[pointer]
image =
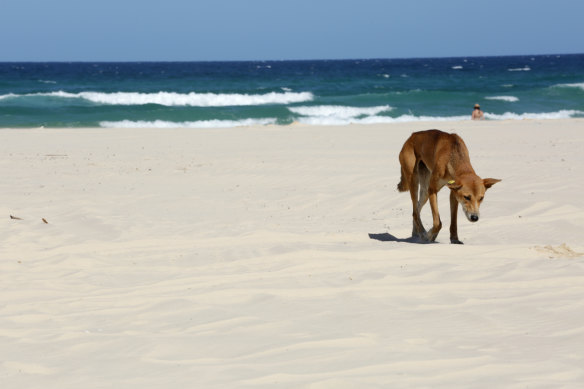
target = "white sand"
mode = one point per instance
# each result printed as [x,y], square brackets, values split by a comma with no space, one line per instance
[232,258]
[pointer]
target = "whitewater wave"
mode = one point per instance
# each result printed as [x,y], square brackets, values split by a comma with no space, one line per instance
[336,120]
[344,115]
[8,96]
[577,85]
[196,124]
[563,114]
[192,99]
[376,119]
[457,67]
[510,99]
[339,111]
[333,121]
[333,115]
[523,69]
[338,114]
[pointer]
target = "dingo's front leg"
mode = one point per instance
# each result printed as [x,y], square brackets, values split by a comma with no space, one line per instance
[453,219]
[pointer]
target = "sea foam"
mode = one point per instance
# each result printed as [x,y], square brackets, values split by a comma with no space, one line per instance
[339,115]
[577,85]
[378,120]
[510,99]
[562,114]
[314,120]
[335,120]
[185,99]
[523,69]
[196,124]
[8,96]
[339,111]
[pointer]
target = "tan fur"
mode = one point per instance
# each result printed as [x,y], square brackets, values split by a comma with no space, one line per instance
[430,160]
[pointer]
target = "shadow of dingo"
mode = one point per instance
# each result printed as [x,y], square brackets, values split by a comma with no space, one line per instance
[386,237]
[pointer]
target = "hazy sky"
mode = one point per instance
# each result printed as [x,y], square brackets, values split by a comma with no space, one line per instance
[201,30]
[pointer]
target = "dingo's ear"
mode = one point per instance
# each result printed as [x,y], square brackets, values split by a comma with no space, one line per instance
[488,182]
[453,185]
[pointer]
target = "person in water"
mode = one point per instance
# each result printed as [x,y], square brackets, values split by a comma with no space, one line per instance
[477,114]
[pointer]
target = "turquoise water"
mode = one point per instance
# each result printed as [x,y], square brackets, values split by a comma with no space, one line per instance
[225,94]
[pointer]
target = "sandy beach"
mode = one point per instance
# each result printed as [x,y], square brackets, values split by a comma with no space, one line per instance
[277,257]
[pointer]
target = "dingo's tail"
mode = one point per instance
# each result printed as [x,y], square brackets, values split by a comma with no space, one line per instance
[403,186]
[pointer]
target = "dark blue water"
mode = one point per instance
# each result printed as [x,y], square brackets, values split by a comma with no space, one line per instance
[223,94]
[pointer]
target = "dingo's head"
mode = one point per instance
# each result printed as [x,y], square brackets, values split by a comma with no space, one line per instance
[469,191]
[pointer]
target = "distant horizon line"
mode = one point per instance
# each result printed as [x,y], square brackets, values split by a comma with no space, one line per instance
[290,60]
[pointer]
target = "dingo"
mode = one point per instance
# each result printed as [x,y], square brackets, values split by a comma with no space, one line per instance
[431,159]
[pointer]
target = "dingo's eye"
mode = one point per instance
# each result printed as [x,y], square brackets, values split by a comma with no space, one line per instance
[481,199]
[467,198]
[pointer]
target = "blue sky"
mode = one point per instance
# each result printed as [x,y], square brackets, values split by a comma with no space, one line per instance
[196,30]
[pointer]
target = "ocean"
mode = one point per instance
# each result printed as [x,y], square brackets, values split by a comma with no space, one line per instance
[320,92]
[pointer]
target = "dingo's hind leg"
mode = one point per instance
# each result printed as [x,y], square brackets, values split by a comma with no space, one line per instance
[410,181]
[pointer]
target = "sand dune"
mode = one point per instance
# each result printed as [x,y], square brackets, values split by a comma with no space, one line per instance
[279,257]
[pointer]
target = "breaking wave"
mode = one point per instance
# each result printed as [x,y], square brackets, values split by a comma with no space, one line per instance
[344,115]
[375,119]
[196,124]
[378,119]
[338,114]
[563,114]
[577,85]
[192,99]
[8,96]
[510,99]
[335,120]
[523,69]
[339,111]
